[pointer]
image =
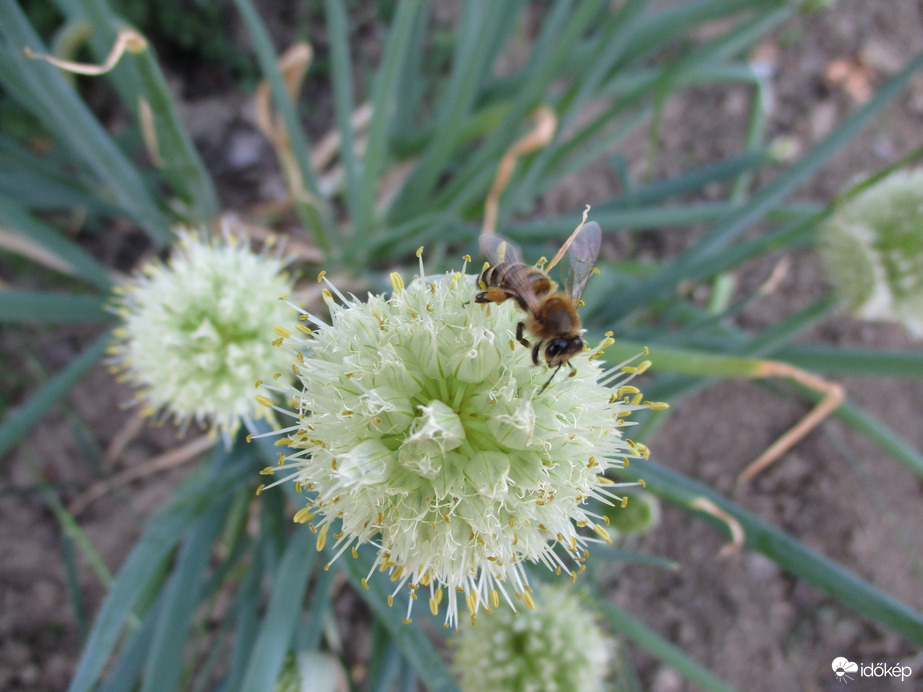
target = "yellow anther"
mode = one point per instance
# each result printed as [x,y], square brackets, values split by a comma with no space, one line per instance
[259,490]
[304,330]
[303,516]
[320,277]
[322,536]
[627,389]
[264,401]
[258,384]
[419,251]
[268,471]
[467,258]
[282,331]
[397,282]
[657,405]
[644,366]
[527,597]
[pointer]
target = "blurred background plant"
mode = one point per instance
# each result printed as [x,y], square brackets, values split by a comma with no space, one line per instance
[389,129]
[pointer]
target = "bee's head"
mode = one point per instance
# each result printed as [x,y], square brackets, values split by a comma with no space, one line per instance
[560,351]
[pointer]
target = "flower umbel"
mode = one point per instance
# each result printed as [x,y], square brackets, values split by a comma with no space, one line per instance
[194,332]
[557,647]
[420,426]
[872,249]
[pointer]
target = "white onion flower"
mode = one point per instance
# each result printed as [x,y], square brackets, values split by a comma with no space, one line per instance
[872,250]
[557,647]
[193,337]
[420,428]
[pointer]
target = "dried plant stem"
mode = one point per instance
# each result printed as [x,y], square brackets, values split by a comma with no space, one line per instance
[546,122]
[164,462]
[329,145]
[124,436]
[127,40]
[834,395]
[703,504]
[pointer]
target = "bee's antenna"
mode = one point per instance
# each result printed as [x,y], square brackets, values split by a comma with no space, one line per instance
[550,378]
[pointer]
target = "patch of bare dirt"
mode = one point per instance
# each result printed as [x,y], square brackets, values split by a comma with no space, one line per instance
[755,626]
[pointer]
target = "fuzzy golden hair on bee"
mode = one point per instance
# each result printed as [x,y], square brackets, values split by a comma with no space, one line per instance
[552,319]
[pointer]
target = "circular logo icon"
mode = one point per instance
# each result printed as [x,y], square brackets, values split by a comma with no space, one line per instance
[842,666]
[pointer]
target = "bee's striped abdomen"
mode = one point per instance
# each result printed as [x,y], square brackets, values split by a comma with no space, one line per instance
[512,279]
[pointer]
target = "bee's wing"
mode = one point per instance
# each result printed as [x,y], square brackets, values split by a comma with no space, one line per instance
[498,249]
[581,253]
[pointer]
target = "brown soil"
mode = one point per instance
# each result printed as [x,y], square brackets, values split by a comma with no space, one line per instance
[753,625]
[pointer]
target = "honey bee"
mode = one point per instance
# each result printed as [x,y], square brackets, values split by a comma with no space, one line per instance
[552,318]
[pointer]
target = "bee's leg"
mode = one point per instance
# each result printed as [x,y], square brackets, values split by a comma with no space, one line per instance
[520,338]
[535,352]
[551,378]
[491,295]
[573,369]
